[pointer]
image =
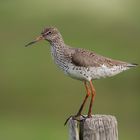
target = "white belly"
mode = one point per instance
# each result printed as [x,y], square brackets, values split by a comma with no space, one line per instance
[91,73]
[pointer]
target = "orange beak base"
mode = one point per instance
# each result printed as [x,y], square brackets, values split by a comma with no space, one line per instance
[36,40]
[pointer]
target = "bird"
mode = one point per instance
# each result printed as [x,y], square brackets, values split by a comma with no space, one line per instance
[81,64]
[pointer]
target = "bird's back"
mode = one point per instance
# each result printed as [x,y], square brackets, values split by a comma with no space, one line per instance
[88,65]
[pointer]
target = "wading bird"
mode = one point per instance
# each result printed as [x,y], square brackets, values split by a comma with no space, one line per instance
[80,63]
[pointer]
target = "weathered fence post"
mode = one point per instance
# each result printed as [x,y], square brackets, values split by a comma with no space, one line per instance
[99,127]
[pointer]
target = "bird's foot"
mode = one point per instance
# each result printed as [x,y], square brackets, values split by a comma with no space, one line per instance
[77,117]
[89,116]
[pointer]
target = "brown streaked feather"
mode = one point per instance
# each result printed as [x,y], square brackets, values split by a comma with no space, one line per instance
[86,58]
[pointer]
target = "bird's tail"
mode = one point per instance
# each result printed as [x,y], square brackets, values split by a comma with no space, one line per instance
[132,65]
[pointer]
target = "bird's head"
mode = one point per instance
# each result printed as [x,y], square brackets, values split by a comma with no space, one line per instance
[50,34]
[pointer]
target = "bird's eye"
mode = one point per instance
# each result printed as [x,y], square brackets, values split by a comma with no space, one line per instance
[48,33]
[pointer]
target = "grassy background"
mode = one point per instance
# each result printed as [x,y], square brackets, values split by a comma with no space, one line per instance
[35,97]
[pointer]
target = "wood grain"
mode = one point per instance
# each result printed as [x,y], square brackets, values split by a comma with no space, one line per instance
[99,127]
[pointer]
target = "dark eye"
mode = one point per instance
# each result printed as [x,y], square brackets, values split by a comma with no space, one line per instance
[48,33]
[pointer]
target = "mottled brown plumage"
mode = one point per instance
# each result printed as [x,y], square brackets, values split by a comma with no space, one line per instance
[86,58]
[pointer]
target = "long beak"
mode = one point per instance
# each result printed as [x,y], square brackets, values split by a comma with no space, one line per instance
[36,40]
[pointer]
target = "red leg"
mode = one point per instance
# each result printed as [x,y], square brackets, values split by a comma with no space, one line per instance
[93,93]
[85,99]
[83,104]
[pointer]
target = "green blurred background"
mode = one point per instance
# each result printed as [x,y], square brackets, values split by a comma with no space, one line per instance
[36,97]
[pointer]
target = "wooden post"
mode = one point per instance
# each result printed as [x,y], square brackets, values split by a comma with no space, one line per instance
[99,127]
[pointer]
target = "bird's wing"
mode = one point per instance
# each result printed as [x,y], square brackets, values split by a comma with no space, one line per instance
[85,58]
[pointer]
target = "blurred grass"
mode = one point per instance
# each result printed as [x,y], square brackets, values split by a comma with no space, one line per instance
[35,97]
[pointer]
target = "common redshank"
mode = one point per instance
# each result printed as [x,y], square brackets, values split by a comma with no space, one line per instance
[80,63]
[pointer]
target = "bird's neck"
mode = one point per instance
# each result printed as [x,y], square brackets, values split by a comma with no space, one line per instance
[57,44]
[58,53]
[57,40]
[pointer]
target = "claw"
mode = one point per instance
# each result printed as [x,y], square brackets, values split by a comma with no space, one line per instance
[67,120]
[89,116]
[76,117]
